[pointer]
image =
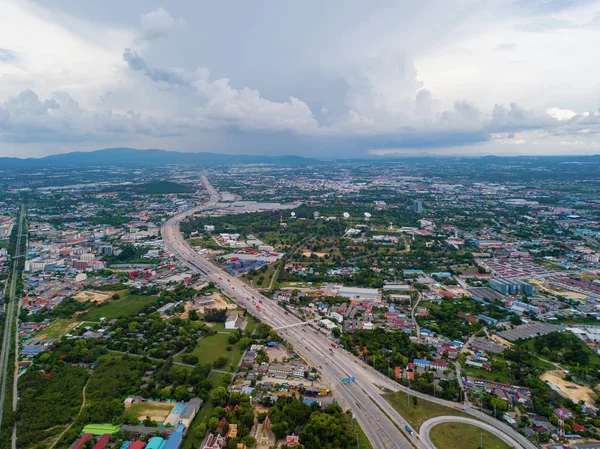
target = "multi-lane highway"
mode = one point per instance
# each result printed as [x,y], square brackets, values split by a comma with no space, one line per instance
[379,420]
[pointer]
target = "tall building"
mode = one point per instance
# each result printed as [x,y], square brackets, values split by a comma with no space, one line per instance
[417,206]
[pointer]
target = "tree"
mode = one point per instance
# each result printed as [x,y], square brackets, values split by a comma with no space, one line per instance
[213,423]
[233,338]
[201,430]
[245,342]
[499,404]
[516,320]
[220,397]
[193,315]
[336,332]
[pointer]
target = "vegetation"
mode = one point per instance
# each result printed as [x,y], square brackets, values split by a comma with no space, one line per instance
[49,398]
[419,411]
[464,436]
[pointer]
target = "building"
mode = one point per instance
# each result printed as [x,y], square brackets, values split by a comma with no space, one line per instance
[292,440]
[358,293]
[511,287]
[417,206]
[188,414]
[102,441]
[156,443]
[283,370]
[234,321]
[215,442]
[80,442]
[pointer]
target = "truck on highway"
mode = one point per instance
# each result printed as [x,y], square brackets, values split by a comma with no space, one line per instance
[409,430]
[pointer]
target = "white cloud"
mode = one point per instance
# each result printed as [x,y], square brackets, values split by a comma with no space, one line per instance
[390,75]
[157,24]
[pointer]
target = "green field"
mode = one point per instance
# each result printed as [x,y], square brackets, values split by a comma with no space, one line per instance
[212,347]
[418,414]
[362,438]
[460,436]
[56,329]
[116,308]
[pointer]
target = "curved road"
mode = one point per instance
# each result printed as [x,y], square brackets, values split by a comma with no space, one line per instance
[431,423]
[383,425]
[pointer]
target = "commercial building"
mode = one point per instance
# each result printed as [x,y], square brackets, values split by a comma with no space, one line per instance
[512,287]
[358,293]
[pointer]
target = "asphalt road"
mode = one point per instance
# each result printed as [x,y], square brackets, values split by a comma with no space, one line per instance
[379,420]
[430,423]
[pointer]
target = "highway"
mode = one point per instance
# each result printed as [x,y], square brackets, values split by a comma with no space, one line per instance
[379,420]
[10,320]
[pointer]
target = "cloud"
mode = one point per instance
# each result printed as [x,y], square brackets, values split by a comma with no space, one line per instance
[219,104]
[6,55]
[27,118]
[158,24]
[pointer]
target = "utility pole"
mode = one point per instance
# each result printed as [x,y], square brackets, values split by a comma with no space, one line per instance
[481,441]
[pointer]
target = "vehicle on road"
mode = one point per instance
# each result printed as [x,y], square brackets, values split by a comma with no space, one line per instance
[409,430]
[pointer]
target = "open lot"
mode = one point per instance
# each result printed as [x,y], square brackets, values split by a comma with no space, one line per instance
[57,329]
[422,411]
[115,308]
[459,436]
[211,348]
[157,411]
[573,391]
[93,296]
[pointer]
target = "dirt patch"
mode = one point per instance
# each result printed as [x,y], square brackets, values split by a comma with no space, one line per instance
[571,390]
[310,253]
[278,352]
[93,296]
[157,411]
[555,290]
[219,303]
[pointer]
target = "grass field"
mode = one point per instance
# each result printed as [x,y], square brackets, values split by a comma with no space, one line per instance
[158,411]
[418,414]
[460,436]
[211,348]
[117,308]
[57,329]
[362,438]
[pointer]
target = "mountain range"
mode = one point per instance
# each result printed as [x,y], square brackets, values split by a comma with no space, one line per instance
[132,156]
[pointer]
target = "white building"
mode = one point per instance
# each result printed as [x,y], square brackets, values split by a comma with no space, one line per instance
[328,324]
[336,316]
[234,321]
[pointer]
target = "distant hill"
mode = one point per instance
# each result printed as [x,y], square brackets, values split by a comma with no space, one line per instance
[131,156]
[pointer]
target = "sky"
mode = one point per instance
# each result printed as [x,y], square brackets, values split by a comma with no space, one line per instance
[311,78]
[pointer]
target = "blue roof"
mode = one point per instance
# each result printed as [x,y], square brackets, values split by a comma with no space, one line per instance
[309,401]
[272,343]
[174,441]
[422,362]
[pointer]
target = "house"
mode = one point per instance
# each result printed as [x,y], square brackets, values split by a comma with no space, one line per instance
[292,440]
[579,428]
[234,321]
[102,441]
[563,413]
[215,442]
